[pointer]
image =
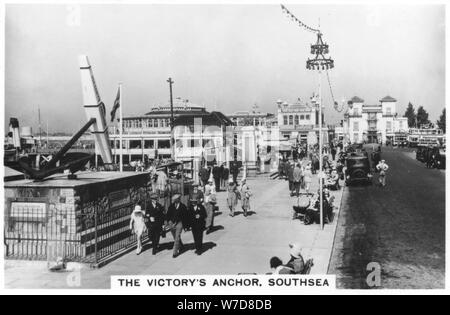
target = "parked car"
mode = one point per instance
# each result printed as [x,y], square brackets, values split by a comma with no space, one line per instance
[358,169]
[421,154]
[437,157]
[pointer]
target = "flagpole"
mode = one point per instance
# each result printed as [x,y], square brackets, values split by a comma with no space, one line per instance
[121,127]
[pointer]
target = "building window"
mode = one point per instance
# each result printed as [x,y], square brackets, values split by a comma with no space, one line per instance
[355,137]
[296,120]
[388,125]
[356,126]
[302,117]
[156,125]
[388,111]
[150,123]
[135,144]
[291,120]
[285,118]
[149,144]
[308,117]
[164,144]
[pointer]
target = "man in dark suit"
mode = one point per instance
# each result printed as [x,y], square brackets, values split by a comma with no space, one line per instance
[154,217]
[177,218]
[217,175]
[197,215]
[204,175]
[234,169]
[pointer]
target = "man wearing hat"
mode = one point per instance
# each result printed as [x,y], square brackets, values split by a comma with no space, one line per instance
[296,261]
[234,170]
[197,194]
[210,193]
[155,219]
[197,217]
[177,219]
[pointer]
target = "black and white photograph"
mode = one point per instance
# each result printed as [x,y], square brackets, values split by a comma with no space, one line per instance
[223,146]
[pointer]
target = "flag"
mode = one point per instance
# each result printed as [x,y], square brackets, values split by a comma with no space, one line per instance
[115,106]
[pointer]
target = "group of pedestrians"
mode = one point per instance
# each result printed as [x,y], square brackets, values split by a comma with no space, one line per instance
[242,193]
[198,216]
[179,217]
[299,176]
[219,174]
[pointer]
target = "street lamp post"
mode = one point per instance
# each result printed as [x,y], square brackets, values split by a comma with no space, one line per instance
[320,63]
[172,120]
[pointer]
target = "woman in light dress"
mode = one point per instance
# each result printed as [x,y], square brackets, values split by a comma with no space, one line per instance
[137,226]
[307,177]
[245,195]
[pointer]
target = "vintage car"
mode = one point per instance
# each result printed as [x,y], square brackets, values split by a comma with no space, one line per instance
[436,157]
[421,153]
[440,160]
[358,169]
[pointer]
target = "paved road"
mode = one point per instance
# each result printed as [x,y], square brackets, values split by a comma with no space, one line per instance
[401,226]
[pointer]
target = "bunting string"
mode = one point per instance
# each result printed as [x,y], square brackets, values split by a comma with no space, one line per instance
[296,20]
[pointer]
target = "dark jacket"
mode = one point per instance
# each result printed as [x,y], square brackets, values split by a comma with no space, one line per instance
[217,172]
[204,174]
[175,215]
[290,173]
[234,168]
[157,213]
[226,174]
[197,223]
[297,264]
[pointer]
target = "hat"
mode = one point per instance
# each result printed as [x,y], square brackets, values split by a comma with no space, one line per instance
[295,251]
[176,197]
[194,200]
[137,208]
[154,196]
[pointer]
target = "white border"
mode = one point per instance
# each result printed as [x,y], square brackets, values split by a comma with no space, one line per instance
[321,2]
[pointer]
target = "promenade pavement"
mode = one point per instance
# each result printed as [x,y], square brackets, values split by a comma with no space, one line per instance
[238,245]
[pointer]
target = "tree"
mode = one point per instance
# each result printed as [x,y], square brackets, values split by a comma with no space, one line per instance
[422,116]
[411,115]
[441,121]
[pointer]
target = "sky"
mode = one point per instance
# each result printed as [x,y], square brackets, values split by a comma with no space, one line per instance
[226,57]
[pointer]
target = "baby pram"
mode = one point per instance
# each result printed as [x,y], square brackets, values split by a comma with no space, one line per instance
[303,203]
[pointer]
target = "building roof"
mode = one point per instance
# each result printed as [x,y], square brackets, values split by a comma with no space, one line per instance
[180,106]
[246,114]
[210,119]
[388,99]
[356,99]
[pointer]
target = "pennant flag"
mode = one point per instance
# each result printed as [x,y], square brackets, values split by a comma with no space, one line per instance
[115,106]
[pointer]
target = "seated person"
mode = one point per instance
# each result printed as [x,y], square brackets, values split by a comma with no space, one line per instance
[301,204]
[279,268]
[333,180]
[296,262]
